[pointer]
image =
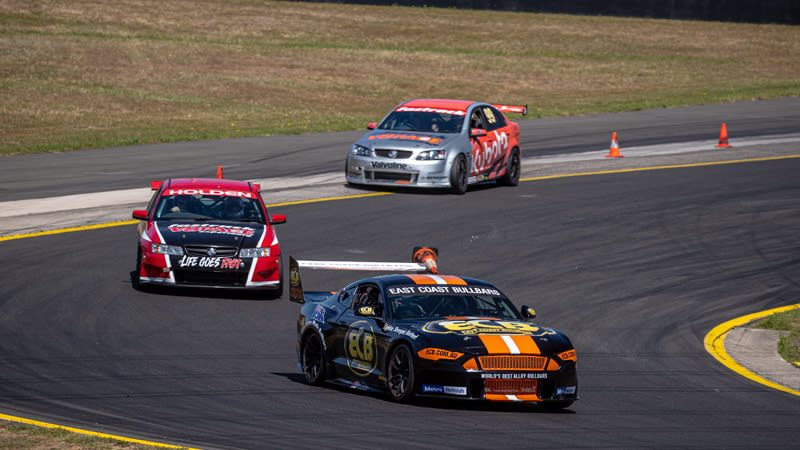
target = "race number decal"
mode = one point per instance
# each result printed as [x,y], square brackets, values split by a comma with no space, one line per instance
[360,348]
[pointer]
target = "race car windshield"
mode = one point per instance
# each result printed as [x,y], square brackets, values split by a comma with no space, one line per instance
[440,306]
[431,122]
[208,207]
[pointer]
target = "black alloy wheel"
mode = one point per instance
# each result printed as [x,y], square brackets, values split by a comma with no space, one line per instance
[313,359]
[400,374]
[511,177]
[458,175]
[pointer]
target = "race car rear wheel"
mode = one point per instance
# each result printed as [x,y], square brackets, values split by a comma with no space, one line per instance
[458,175]
[312,359]
[511,177]
[400,379]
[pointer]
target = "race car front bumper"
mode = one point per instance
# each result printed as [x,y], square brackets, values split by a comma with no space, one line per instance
[227,273]
[451,381]
[401,172]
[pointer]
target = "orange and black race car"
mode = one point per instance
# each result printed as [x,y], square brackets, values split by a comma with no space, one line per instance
[425,334]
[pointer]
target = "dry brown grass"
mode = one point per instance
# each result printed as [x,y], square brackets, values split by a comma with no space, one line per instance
[15,436]
[97,73]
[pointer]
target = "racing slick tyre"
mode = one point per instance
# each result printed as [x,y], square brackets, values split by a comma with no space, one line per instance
[312,359]
[511,177]
[138,269]
[458,175]
[400,379]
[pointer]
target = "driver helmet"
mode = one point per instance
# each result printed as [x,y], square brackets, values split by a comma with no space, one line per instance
[234,207]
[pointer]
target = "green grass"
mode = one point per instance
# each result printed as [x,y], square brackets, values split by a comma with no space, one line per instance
[95,74]
[788,322]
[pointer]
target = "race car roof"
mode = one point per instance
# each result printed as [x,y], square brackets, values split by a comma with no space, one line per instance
[209,183]
[425,279]
[438,103]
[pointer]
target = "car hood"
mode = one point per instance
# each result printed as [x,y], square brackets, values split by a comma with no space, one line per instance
[216,233]
[405,140]
[475,335]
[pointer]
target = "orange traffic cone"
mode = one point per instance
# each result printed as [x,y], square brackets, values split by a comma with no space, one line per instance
[723,137]
[614,151]
[219,172]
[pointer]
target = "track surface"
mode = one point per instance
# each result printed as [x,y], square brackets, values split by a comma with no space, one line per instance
[635,267]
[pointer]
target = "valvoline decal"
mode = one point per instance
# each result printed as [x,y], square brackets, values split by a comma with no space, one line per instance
[485,326]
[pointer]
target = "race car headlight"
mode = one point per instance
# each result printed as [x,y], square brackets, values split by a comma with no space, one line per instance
[359,150]
[254,252]
[431,154]
[165,249]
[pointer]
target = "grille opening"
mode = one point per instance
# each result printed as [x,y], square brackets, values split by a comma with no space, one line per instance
[512,362]
[401,154]
[392,176]
[510,387]
[202,250]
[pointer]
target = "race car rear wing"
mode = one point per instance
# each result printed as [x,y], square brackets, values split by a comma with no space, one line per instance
[512,108]
[424,260]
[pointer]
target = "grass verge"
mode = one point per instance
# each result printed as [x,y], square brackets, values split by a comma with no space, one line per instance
[18,436]
[788,322]
[96,74]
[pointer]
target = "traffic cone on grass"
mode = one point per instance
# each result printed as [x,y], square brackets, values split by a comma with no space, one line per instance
[723,137]
[614,150]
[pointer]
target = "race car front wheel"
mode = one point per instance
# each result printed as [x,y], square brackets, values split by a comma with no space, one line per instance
[313,359]
[400,374]
[458,175]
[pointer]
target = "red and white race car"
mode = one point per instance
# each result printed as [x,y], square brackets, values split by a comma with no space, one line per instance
[438,143]
[216,233]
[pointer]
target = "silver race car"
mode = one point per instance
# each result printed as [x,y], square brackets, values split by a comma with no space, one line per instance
[439,144]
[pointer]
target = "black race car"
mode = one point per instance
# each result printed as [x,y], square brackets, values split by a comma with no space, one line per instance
[424,334]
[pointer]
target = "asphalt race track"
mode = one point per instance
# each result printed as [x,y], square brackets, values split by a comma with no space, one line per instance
[636,267]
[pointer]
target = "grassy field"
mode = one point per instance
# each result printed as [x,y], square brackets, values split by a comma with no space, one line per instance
[99,73]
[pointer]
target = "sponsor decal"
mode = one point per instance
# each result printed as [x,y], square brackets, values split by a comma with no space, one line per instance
[360,348]
[388,165]
[319,314]
[406,137]
[396,291]
[400,331]
[451,390]
[568,355]
[208,262]
[439,353]
[487,152]
[435,177]
[454,112]
[232,230]
[485,326]
[514,376]
[569,390]
[209,192]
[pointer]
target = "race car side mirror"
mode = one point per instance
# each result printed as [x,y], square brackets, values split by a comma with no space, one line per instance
[276,219]
[477,132]
[140,214]
[372,125]
[527,312]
